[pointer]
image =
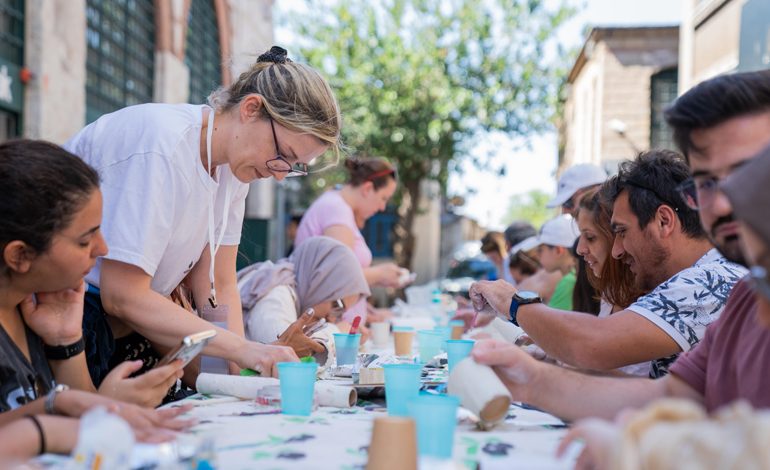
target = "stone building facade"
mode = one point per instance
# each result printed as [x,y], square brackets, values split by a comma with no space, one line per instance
[722,36]
[617,88]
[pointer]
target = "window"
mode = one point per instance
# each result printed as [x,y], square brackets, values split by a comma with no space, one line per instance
[378,233]
[12,30]
[202,52]
[11,60]
[663,87]
[120,66]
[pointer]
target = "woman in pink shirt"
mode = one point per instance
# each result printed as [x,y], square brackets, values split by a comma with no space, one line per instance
[341,213]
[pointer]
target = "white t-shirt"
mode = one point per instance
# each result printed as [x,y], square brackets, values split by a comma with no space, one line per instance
[689,301]
[156,190]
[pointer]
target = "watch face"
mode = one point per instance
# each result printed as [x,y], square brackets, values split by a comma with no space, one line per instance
[527,295]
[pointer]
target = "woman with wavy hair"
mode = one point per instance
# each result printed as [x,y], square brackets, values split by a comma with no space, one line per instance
[609,276]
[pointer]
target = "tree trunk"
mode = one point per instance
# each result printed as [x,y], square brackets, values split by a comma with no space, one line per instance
[403,242]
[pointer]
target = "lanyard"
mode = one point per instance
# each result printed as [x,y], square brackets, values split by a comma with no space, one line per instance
[214,247]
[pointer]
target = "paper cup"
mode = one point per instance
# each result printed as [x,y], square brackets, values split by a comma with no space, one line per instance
[458,328]
[393,444]
[380,334]
[403,338]
[480,391]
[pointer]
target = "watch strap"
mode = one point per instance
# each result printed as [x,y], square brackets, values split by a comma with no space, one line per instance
[60,353]
[513,310]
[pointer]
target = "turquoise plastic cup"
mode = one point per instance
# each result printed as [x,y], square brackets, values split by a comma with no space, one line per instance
[297,387]
[429,342]
[446,331]
[347,347]
[457,350]
[436,419]
[402,383]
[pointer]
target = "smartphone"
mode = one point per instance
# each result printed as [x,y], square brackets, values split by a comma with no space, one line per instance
[190,347]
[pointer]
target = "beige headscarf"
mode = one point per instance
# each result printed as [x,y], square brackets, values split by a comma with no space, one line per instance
[321,269]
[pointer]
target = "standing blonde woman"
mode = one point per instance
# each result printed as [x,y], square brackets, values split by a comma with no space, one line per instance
[174,179]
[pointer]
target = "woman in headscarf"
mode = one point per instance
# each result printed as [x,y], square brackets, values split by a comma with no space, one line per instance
[322,274]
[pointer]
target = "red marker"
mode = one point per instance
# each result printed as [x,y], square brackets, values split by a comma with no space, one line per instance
[354,326]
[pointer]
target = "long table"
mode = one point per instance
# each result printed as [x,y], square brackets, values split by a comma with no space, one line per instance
[245,435]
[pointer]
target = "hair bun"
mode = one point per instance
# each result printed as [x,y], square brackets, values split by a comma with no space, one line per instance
[276,55]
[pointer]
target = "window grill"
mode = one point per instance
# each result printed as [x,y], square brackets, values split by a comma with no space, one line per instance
[663,92]
[12,30]
[203,55]
[120,65]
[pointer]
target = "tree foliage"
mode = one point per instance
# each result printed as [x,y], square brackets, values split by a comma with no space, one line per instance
[529,206]
[421,81]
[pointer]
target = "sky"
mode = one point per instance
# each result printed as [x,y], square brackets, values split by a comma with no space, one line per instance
[534,168]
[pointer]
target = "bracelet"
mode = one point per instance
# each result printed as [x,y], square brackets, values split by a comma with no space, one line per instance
[60,353]
[48,405]
[40,432]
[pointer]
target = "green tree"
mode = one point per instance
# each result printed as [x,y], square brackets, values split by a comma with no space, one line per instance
[529,206]
[421,81]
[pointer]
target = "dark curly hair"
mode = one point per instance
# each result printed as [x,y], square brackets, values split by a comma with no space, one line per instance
[651,180]
[44,187]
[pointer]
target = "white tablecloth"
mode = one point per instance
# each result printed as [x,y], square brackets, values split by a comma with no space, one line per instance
[248,436]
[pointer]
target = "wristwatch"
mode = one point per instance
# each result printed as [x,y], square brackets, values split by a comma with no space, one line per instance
[522,297]
[59,353]
[49,399]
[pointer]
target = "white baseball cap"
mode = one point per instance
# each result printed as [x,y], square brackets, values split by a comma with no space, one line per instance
[575,178]
[559,231]
[525,245]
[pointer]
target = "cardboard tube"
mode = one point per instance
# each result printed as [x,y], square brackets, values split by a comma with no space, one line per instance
[233,385]
[338,396]
[480,391]
[328,394]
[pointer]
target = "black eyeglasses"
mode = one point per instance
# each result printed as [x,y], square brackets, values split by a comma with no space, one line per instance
[280,164]
[698,193]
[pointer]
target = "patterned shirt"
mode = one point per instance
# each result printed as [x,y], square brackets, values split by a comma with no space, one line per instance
[688,302]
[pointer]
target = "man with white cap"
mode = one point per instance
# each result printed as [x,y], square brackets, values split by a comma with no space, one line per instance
[664,245]
[555,239]
[574,182]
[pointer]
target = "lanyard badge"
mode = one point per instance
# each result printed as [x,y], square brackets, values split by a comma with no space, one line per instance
[214,247]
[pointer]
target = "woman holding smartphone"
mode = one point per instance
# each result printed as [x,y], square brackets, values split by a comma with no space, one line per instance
[49,239]
[311,288]
[174,179]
